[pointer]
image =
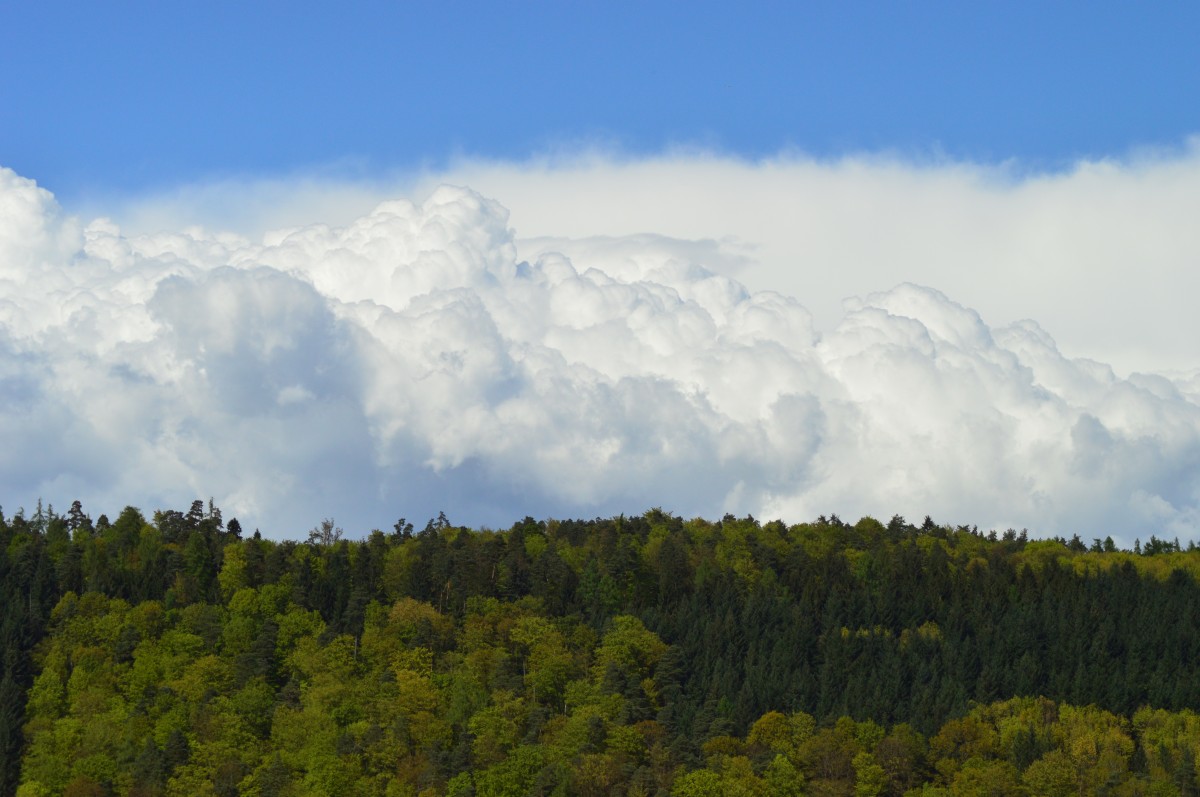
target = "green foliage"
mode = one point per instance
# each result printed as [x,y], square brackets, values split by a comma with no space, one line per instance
[634,655]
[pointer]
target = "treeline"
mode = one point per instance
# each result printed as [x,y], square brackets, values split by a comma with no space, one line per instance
[628,655]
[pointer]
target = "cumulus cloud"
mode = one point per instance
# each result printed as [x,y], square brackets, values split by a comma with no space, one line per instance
[423,357]
[1103,253]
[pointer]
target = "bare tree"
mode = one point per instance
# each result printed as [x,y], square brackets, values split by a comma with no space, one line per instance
[326,533]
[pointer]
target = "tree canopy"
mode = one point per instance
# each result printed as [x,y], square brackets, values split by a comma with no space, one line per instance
[630,655]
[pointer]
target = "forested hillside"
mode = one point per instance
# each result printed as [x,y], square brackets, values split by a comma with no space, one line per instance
[629,655]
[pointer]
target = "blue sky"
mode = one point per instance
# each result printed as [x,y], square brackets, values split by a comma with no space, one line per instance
[111,97]
[575,259]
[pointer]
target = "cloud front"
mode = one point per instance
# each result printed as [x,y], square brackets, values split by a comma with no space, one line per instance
[412,361]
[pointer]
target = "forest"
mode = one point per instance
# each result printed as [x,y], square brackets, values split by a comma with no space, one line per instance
[632,655]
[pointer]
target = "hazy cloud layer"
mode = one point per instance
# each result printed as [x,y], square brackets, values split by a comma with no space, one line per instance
[421,357]
[1105,254]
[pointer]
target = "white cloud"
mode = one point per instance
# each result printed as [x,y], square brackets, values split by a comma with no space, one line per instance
[422,357]
[1104,253]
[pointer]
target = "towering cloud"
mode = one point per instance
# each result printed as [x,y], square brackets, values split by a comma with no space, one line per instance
[410,361]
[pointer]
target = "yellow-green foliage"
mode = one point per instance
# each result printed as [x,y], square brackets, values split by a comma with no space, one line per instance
[365,715]
[433,664]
